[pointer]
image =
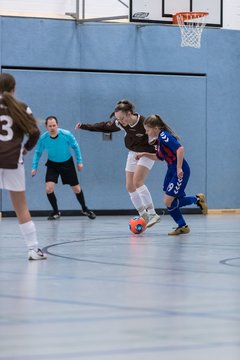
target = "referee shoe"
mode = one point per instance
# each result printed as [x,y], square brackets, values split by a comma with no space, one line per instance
[54,216]
[90,214]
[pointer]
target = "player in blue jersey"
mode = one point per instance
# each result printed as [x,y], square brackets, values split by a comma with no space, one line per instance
[178,172]
[58,142]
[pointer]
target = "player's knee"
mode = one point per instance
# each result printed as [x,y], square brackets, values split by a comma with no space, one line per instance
[76,189]
[168,202]
[130,188]
[49,189]
[172,204]
[138,183]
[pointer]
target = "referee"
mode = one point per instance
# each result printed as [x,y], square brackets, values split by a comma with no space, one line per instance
[57,142]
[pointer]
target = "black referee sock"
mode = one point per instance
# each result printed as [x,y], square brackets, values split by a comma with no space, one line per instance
[81,200]
[53,201]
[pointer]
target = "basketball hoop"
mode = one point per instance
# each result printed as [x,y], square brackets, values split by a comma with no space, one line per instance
[191,26]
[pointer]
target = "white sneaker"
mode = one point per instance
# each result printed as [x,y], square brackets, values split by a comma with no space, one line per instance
[145,216]
[153,219]
[36,255]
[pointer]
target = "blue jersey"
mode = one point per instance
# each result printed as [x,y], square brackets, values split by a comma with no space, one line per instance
[167,147]
[58,148]
[167,150]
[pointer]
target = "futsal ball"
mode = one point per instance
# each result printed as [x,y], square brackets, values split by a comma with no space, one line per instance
[137,225]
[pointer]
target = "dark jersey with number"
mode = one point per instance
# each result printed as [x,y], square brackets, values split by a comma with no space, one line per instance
[11,138]
[167,146]
[135,139]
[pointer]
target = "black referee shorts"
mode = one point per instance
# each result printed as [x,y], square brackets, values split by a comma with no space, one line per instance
[66,170]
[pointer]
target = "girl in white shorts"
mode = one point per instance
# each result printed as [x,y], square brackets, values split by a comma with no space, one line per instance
[13,179]
[136,140]
[16,121]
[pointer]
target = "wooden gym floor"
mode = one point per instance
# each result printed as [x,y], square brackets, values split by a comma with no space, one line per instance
[106,294]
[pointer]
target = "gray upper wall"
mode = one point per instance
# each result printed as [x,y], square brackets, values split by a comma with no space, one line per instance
[79,72]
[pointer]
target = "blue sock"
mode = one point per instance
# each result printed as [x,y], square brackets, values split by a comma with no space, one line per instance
[187,200]
[175,213]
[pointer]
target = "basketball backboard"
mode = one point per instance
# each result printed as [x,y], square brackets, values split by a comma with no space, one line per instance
[161,11]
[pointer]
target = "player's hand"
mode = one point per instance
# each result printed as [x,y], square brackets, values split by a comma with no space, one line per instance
[79,167]
[78,126]
[34,172]
[24,151]
[138,156]
[180,173]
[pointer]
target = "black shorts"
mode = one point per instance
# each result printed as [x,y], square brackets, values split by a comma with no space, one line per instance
[64,169]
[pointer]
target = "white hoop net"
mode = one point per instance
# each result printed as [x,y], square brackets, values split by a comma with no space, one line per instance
[191,26]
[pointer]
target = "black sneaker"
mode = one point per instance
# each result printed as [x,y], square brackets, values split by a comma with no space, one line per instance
[89,214]
[54,216]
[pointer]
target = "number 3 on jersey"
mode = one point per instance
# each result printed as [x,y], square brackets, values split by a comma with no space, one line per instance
[6,132]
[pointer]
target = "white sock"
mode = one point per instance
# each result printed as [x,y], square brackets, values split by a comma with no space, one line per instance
[29,233]
[146,199]
[137,202]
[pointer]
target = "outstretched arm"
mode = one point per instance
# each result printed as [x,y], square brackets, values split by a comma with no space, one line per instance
[108,126]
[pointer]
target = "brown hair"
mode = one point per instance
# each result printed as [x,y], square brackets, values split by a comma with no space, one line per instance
[7,83]
[24,121]
[51,117]
[124,106]
[156,121]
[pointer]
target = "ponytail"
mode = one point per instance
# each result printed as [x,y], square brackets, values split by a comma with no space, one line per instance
[24,121]
[156,121]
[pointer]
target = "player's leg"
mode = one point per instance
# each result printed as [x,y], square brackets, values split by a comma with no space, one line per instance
[199,200]
[174,211]
[51,180]
[81,199]
[131,180]
[27,226]
[130,167]
[69,177]
[143,167]
[134,195]
[174,197]
[50,186]
[13,180]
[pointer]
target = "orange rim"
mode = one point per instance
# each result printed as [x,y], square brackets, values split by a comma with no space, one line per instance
[188,15]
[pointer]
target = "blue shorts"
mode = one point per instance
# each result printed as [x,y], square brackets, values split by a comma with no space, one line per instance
[173,186]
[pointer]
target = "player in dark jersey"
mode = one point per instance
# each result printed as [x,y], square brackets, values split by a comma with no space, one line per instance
[16,121]
[124,118]
[58,143]
[178,172]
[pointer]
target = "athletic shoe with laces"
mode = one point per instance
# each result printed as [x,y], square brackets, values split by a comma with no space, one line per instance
[201,202]
[54,216]
[180,230]
[36,255]
[90,214]
[145,216]
[152,219]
